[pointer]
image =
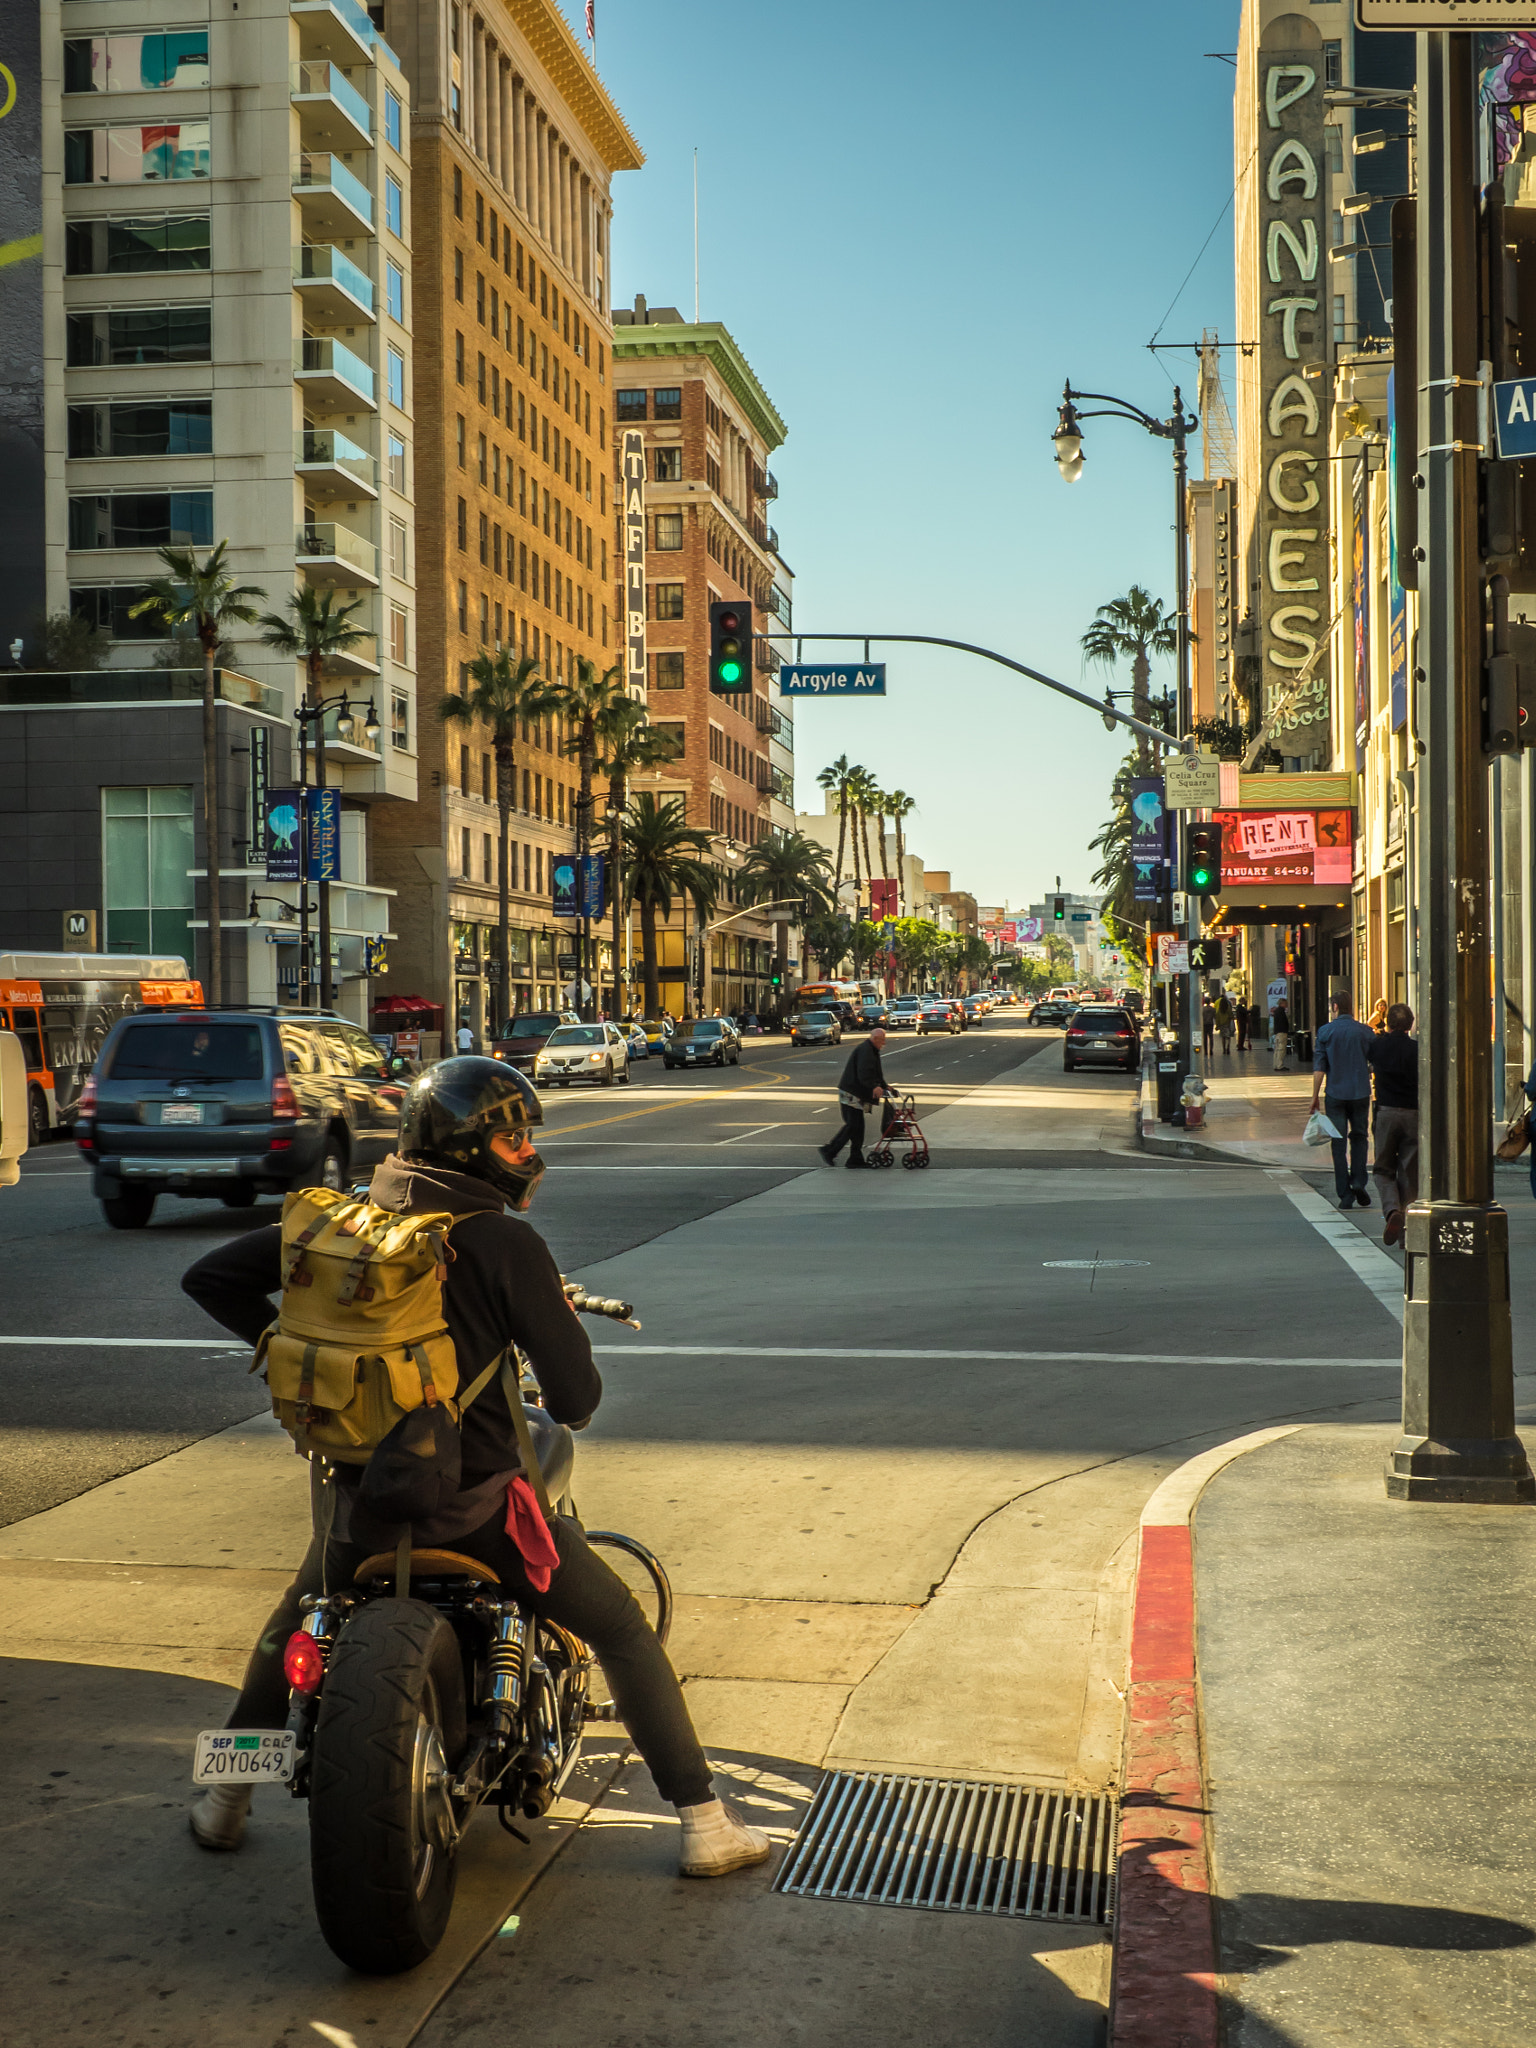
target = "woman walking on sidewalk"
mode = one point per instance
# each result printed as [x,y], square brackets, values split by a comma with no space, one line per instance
[1280,1031]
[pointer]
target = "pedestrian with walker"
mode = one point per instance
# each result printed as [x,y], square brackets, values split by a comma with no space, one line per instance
[1341,1055]
[862,1085]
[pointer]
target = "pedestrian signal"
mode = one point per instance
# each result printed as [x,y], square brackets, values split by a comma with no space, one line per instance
[1202,859]
[730,648]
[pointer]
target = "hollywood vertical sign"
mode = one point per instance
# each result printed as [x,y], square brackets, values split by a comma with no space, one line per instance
[1293,519]
[632,478]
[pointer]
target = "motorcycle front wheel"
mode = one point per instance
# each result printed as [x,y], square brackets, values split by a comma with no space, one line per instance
[382,1830]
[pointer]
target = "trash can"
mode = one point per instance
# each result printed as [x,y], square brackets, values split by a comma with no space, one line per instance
[1168,1084]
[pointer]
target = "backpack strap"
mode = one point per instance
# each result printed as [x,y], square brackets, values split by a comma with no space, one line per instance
[532,1471]
[479,1384]
[307,1379]
[423,1366]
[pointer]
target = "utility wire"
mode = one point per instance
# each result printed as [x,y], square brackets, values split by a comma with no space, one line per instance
[1215,224]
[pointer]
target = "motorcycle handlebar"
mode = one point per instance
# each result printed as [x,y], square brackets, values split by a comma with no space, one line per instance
[600,1305]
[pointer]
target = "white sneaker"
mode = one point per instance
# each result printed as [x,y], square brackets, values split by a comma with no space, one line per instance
[218,1819]
[716,1841]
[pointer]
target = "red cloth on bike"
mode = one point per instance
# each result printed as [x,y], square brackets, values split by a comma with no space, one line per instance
[530,1532]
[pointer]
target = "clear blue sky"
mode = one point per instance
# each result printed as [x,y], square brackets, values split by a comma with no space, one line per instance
[917,222]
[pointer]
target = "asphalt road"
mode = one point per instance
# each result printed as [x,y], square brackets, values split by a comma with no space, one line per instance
[627,1165]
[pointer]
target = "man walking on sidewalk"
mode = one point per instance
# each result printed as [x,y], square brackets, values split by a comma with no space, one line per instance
[1280,1032]
[861,1087]
[1341,1051]
[1394,1058]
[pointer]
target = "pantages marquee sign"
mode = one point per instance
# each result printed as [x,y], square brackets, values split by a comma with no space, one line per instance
[1293,302]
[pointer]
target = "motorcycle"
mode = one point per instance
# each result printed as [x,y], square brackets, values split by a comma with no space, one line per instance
[407,1715]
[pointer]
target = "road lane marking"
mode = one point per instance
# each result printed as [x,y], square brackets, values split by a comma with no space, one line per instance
[139,1343]
[997,1357]
[1367,1261]
[756,1131]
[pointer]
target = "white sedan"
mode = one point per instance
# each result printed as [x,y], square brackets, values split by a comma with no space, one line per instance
[596,1053]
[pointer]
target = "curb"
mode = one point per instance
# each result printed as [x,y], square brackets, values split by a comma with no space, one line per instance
[1163,1984]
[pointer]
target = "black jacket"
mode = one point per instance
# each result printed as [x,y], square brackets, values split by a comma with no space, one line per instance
[502,1287]
[863,1073]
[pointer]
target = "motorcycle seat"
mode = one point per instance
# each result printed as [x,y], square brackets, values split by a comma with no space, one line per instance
[426,1564]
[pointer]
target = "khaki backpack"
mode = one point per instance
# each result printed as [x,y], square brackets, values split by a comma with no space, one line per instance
[360,1338]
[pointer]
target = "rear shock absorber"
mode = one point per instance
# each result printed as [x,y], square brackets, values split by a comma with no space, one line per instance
[504,1668]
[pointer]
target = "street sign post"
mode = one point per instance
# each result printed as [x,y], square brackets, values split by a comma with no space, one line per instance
[804,679]
[1192,782]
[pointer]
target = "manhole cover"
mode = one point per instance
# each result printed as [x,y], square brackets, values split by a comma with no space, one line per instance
[1091,1265]
[955,1845]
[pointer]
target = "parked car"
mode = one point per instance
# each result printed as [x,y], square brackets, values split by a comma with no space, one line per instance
[815,1027]
[938,1016]
[526,1036]
[1052,1013]
[706,1041]
[234,1105]
[595,1053]
[902,1012]
[1102,1035]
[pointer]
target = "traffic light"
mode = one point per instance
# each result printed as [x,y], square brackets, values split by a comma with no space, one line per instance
[1059,909]
[730,648]
[776,979]
[1202,859]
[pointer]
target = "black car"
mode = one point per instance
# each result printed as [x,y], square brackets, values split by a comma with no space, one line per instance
[846,1015]
[235,1104]
[815,1027]
[526,1036]
[1102,1035]
[706,1041]
[1055,1013]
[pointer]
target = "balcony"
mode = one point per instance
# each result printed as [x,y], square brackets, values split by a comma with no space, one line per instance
[764,775]
[339,29]
[767,656]
[331,377]
[333,556]
[764,483]
[331,284]
[332,112]
[332,466]
[336,202]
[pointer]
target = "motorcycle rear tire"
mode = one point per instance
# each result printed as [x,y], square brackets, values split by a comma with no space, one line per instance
[383,1889]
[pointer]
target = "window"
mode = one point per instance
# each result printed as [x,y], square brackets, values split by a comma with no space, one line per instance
[480,296]
[630,405]
[669,671]
[394,291]
[396,363]
[463,524]
[479,217]
[396,556]
[109,608]
[480,447]
[485,621]
[394,205]
[136,63]
[668,465]
[461,439]
[464,839]
[668,600]
[487,866]
[136,156]
[668,404]
[464,771]
[712,472]
[485,540]
[485,778]
[146,853]
[147,334]
[397,468]
[398,633]
[400,721]
[673,731]
[669,531]
[458,275]
[458,357]
[1332,53]
[463,601]
[176,426]
[711,414]
[391,118]
[142,519]
[130,248]
[480,378]
[458,195]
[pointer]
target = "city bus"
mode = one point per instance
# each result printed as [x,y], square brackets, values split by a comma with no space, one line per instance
[62,1005]
[816,995]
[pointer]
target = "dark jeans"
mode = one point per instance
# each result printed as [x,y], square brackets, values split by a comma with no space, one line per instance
[1396,1165]
[585,1596]
[1349,1114]
[851,1135]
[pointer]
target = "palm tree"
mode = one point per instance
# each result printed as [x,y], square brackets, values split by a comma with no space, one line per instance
[664,856]
[777,870]
[501,692]
[1117,873]
[582,701]
[1133,628]
[836,777]
[865,794]
[628,742]
[899,806]
[317,629]
[202,596]
[879,804]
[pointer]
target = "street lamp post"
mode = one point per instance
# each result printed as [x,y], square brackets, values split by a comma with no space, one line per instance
[313,714]
[1179,425]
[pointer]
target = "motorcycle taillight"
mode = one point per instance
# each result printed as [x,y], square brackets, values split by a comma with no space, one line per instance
[303,1662]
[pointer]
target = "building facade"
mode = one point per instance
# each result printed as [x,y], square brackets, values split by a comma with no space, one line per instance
[514,143]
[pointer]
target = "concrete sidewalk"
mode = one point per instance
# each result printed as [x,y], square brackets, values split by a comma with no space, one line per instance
[1366,1674]
[1252,1114]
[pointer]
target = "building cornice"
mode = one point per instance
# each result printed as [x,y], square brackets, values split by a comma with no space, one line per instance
[553,41]
[712,340]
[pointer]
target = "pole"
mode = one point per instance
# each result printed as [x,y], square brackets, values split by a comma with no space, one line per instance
[326,991]
[620,1004]
[695,237]
[1458,1441]
[304,975]
[1192,1035]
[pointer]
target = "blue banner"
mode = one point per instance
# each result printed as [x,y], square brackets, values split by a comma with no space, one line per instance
[593,895]
[1149,836]
[562,874]
[280,829]
[324,835]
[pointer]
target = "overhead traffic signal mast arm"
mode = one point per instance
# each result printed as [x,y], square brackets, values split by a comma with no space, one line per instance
[1096,705]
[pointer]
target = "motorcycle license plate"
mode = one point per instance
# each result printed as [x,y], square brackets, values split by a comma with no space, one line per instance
[181,1112]
[234,1756]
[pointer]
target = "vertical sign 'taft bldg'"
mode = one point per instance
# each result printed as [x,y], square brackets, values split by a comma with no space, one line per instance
[632,477]
[1293,292]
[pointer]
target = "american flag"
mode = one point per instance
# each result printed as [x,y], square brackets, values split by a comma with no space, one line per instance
[591,21]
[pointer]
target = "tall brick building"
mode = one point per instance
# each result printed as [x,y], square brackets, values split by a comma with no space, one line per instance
[710,429]
[514,141]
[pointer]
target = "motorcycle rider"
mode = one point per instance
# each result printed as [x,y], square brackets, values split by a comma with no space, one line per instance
[466,1146]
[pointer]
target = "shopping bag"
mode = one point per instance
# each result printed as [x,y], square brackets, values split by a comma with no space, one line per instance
[1319,1130]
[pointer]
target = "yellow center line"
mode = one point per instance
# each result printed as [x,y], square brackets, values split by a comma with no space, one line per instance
[628,1116]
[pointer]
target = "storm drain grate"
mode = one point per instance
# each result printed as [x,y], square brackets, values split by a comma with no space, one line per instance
[955,1846]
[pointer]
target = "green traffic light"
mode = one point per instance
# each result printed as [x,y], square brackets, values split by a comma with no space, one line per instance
[1200,877]
[730,671]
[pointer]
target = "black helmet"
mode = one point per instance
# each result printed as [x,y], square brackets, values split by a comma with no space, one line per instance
[453,1111]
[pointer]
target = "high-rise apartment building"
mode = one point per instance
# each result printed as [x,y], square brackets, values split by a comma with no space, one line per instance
[223,310]
[514,142]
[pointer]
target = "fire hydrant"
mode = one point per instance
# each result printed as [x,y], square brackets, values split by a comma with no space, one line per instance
[1192,1101]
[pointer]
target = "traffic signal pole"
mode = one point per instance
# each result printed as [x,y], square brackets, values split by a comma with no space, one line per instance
[1458,1441]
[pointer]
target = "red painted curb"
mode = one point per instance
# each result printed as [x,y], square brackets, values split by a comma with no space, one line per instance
[1164,1985]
